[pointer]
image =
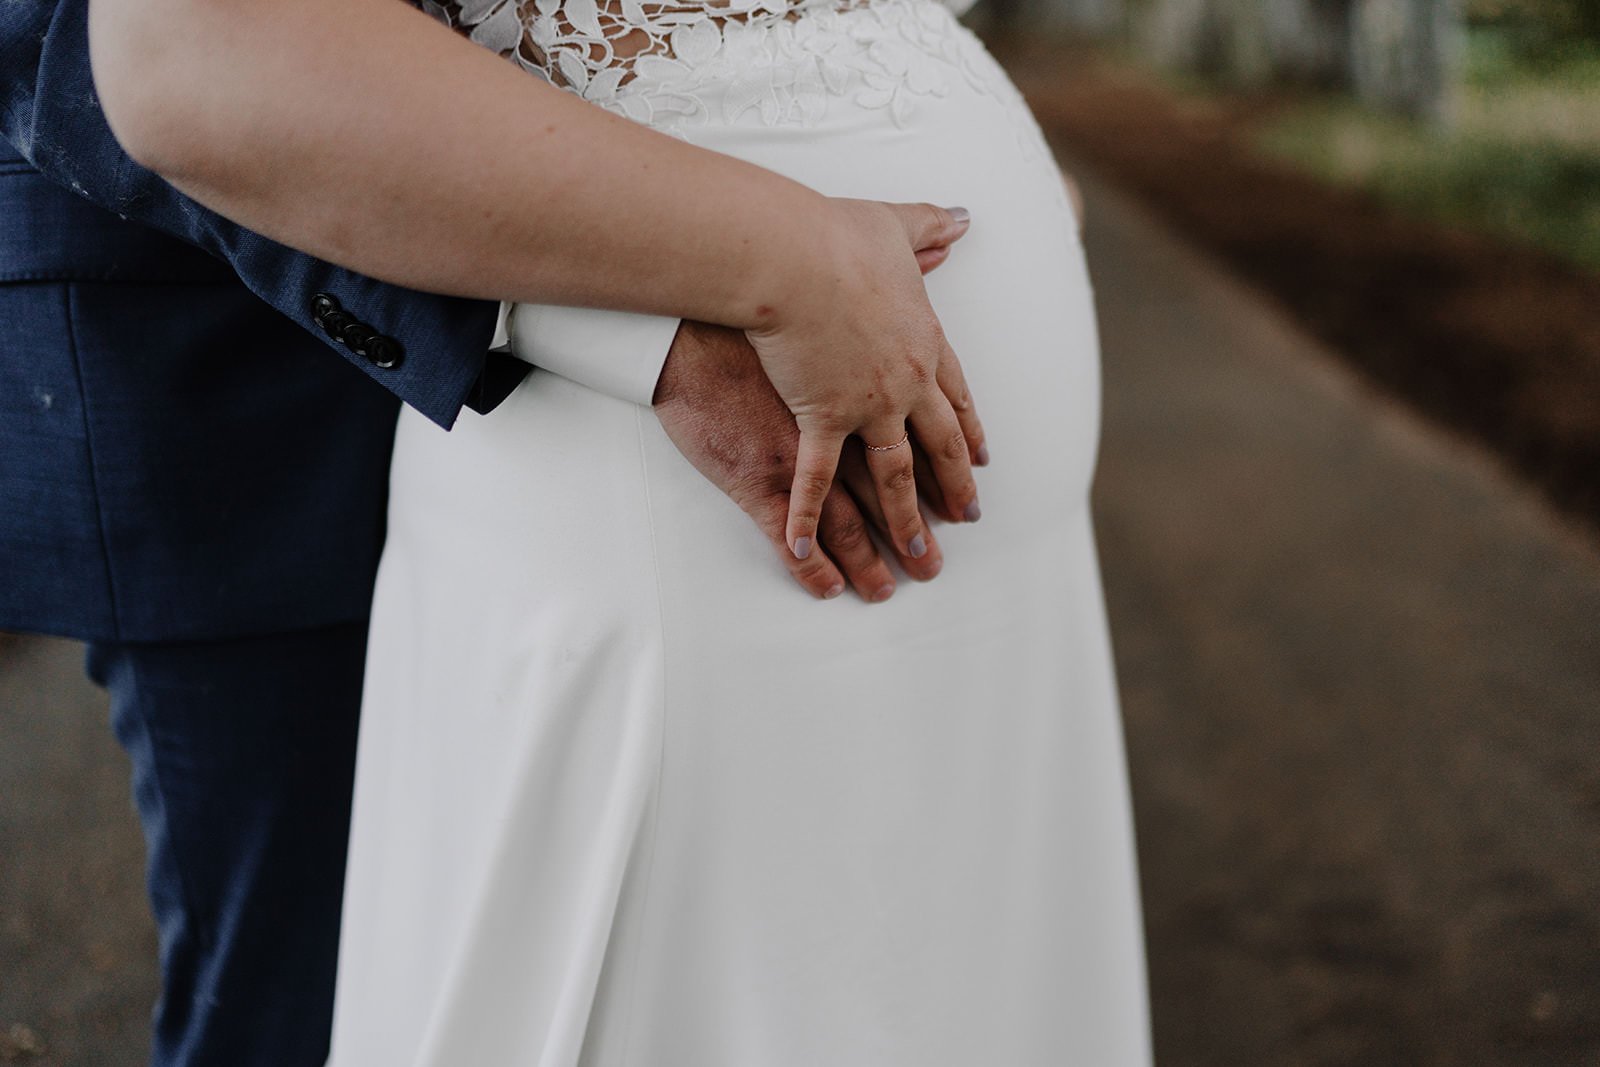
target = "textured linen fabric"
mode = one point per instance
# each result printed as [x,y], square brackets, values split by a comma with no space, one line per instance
[626,797]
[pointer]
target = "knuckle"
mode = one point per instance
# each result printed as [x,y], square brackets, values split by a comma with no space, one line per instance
[813,573]
[847,533]
[902,479]
[752,487]
[831,421]
[772,515]
[813,485]
[954,448]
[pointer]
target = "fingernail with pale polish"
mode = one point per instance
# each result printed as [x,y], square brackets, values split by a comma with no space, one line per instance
[884,593]
[917,547]
[802,547]
[973,512]
[960,214]
[833,591]
[983,455]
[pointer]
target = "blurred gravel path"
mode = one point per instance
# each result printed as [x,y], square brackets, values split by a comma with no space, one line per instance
[1361,673]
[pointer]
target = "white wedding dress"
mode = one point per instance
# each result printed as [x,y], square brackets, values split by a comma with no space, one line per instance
[627,796]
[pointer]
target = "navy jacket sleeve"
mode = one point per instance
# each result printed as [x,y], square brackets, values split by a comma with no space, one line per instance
[430,350]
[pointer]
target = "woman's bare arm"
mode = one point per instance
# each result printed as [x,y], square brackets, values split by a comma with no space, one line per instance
[366,133]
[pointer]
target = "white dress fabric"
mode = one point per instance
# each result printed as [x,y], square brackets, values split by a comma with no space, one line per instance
[627,797]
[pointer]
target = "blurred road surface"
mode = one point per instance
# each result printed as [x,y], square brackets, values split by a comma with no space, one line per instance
[1361,679]
[1361,674]
[77,947]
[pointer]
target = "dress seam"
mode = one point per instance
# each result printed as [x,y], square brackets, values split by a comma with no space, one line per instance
[661,749]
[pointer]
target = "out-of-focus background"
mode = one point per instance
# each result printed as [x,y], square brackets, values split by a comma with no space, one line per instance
[1347,258]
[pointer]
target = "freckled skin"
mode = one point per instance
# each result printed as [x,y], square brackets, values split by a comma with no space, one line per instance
[720,410]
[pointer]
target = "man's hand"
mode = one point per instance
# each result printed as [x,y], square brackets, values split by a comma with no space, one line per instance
[720,410]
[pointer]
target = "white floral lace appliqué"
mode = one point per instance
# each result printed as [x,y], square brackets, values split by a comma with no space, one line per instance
[783,59]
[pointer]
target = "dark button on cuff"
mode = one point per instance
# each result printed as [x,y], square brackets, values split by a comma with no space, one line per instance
[321,305]
[334,324]
[381,351]
[355,335]
[384,352]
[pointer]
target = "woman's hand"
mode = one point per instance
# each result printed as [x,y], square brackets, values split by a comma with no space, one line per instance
[857,349]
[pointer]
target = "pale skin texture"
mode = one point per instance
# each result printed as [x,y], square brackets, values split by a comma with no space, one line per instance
[365,133]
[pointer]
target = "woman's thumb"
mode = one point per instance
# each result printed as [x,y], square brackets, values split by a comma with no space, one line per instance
[931,226]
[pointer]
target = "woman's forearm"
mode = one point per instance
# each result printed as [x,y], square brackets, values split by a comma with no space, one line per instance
[364,132]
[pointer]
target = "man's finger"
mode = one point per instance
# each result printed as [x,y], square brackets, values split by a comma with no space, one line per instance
[816,574]
[858,479]
[847,539]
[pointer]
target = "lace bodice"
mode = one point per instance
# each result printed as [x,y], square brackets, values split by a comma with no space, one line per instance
[595,47]
[677,64]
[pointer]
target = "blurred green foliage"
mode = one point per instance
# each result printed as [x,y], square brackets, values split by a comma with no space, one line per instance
[1539,30]
[1522,158]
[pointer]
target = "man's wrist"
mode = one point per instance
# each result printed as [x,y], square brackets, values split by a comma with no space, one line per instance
[666,380]
[618,353]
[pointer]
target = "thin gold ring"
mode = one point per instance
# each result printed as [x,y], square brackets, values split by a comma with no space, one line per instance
[889,448]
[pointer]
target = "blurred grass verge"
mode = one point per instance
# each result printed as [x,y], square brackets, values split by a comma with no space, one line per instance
[1521,159]
[1482,327]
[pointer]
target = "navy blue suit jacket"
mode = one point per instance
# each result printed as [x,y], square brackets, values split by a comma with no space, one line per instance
[184,453]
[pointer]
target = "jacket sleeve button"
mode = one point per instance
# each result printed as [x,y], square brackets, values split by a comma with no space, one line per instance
[355,335]
[322,305]
[334,323]
[383,352]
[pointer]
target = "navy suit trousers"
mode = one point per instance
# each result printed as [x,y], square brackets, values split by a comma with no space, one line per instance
[243,754]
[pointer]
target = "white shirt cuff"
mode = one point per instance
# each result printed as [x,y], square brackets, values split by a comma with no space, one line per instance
[618,353]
